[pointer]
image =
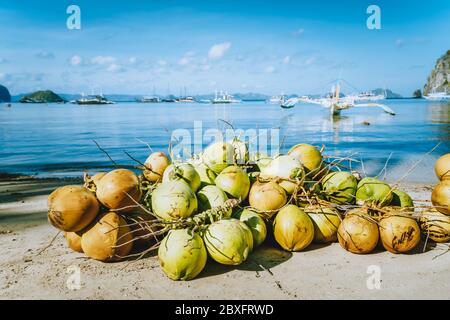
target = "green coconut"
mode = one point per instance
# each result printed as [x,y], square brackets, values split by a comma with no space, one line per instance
[173,200]
[326,222]
[374,191]
[401,199]
[309,156]
[340,187]
[228,241]
[218,156]
[241,154]
[293,229]
[210,197]
[207,176]
[184,172]
[234,181]
[182,254]
[288,170]
[255,223]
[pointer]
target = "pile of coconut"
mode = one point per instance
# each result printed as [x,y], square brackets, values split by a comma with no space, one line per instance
[222,204]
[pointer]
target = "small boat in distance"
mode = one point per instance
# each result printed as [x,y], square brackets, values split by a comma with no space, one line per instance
[186,100]
[277,99]
[224,97]
[370,96]
[92,100]
[149,99]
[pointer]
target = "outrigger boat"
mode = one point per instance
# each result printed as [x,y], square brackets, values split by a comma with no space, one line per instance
[335,103]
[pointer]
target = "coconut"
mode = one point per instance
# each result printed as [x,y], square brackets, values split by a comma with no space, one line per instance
[210,197]
[267,196]
[73,241]
[255,223]
[399,233]
[440,197]
[174,200]
[207,176]
[435,225]
[357,233]
[326,222]
[340,187]
[234,181]
[442,167]
[218,156]
[401,199]
[119,190]
[241,154]
[72,208]
[228,241]
[182,254]
[286,168]
[293,229]
[185,172]
[108,239]
[91,182]
[155,165]
[374,191]
[261,160]
[309,156]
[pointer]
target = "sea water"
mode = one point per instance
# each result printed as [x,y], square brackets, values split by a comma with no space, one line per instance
[58,139]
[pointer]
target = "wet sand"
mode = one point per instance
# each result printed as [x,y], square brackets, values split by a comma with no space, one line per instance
[320,272]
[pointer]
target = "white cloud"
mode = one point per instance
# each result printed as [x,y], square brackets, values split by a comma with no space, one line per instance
[184,61]
[162,62]
[76,60]
[206,67]
[217,51]
[132,60]
[287,60]
[269,69]
[113,67]
[298,32]
[101,60]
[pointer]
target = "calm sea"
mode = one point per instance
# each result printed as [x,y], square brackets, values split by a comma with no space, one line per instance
[57,140]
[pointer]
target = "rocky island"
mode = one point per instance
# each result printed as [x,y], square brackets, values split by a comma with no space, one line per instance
[439,79]
[4,94]
[42,97]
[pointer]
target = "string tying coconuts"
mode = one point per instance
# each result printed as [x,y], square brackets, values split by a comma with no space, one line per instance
[220,206]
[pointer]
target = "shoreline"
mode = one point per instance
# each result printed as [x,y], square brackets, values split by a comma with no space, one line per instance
[321,272]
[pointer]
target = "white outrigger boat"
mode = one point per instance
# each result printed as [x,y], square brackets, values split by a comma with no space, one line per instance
[335,103]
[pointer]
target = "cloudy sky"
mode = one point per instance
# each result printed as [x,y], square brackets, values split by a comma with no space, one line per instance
[261,46]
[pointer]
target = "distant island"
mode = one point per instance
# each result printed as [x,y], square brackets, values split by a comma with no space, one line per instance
[439,79]
[4,94]
[42,97]
[389,93]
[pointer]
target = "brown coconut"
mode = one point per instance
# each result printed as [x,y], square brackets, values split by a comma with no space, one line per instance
[399,233]
[108,239]
[72,208]
[119,190]
[358,233]
[73,241]
[267,196]
[155,166]
[442,167]
[440,197]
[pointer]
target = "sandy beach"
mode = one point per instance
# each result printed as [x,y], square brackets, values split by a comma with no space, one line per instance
[320,272]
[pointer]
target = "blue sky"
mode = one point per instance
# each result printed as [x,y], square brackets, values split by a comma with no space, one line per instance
[260,46]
